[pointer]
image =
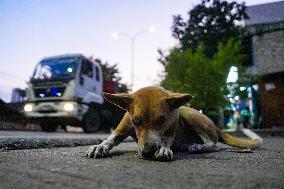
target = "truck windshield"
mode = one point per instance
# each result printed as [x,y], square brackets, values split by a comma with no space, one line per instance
[56,68]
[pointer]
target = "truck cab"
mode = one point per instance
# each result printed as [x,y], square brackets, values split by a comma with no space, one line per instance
[65,90]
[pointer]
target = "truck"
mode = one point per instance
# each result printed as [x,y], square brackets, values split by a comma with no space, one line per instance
[67,90]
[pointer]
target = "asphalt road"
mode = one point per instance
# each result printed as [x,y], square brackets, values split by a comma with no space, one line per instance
[68,168]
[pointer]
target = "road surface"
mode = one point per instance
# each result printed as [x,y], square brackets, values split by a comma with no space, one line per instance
[68,168]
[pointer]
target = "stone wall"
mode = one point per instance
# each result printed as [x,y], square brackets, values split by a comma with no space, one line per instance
[269,52]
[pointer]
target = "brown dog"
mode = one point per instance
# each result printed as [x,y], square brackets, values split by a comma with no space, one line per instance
[160,124]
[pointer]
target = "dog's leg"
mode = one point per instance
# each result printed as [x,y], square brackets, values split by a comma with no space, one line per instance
[165,153]
[117,136]
[207,146]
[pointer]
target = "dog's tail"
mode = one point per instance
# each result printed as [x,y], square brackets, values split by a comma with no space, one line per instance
[253,142]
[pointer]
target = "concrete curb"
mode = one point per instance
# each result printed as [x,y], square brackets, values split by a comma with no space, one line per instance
[32,140]
[278,132]
[46,140]
[23,143]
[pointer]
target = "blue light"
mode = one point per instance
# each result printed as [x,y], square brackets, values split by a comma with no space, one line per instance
[54,91]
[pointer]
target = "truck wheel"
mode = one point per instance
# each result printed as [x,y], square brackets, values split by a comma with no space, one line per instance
[47,127]
[64,127]
[91,121]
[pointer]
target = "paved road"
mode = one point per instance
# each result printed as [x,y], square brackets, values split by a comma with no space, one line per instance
[68,168]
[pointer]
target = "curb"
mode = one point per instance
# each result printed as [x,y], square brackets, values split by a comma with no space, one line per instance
[47,141]
[32,142]
[262,132]
[23,143]
[269,132]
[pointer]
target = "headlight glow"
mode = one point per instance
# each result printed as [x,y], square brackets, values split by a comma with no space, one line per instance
[28,107]
[68,106]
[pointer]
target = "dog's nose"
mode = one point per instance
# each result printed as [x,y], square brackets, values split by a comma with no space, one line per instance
[149,150]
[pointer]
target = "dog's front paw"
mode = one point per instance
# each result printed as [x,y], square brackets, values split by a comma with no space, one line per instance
[97,151]
[164,154]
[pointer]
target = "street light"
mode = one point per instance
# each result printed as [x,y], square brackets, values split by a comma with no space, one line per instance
[132,40]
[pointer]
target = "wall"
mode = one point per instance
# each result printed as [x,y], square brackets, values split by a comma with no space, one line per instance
[271,91]
[269,52]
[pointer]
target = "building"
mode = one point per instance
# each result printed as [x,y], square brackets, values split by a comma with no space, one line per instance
[266,31]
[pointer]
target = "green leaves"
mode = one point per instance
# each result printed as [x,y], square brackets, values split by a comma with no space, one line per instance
[208,46]
[203,77]
[210,22]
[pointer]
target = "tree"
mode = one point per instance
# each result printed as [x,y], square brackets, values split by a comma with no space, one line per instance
[209,44]
[110,73]
[209,23]
[205,78]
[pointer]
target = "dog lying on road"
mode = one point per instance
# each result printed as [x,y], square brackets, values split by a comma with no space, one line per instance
[159,123]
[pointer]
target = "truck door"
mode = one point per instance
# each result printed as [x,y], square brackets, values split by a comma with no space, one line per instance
[89,87]
[87,77]
[98,79]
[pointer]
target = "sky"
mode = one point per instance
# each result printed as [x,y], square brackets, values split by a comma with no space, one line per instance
[33,29]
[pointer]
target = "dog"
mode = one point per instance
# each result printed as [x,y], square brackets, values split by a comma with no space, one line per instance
[161,125]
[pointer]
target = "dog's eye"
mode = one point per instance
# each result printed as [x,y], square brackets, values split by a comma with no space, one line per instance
[137,121]
[160,120]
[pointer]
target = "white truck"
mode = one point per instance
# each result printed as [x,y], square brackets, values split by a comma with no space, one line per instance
[65,90]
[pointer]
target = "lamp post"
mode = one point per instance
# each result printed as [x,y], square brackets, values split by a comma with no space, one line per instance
[132,39]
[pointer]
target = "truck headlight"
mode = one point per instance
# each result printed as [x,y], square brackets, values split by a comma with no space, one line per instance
[68,106]
[28,108]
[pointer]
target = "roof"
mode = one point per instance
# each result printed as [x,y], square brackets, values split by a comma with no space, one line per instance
[265,13]
[63,56]
[75,55]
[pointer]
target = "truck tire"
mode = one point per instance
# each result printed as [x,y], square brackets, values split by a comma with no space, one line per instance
[91,121]
[47,127]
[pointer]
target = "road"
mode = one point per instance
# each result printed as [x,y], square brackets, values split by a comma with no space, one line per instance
[68,168]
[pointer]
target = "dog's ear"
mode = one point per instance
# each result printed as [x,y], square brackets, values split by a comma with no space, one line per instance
[175,100]
[122,100]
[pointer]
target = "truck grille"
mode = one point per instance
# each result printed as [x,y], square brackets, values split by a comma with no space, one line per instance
[49,92]
[47,111]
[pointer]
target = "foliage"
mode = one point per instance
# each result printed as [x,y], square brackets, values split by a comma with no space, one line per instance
[110,73]
[205,78]
[210,43]
[209,23]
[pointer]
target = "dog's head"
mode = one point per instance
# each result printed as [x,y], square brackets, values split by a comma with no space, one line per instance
[153,112]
